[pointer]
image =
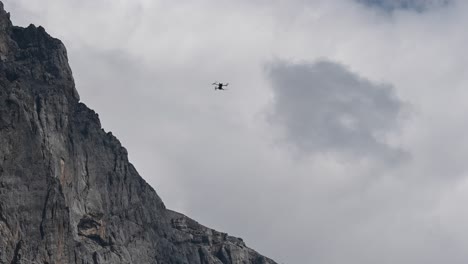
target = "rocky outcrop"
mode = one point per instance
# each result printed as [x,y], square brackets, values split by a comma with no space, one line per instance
[68,193]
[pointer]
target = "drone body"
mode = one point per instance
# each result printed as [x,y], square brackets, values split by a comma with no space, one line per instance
[219,86]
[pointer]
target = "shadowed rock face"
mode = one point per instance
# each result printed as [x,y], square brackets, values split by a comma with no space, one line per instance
[68,193]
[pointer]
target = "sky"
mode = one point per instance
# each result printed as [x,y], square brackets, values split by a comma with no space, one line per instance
[342,137]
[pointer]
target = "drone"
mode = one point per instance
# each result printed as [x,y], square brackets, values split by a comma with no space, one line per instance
[219,86]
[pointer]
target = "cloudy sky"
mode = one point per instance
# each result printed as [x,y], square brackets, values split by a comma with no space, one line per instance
[342,137]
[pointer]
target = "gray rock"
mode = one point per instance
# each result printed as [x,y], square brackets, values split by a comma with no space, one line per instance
[68,193]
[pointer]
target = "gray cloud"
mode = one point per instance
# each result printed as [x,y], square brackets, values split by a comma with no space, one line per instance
[324,107]
[416,5]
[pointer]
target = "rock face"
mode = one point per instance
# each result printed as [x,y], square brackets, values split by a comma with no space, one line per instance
[68,193]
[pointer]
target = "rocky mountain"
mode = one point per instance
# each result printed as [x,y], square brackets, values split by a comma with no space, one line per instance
[68,193]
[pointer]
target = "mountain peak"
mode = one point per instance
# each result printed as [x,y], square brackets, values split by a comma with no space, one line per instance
[35,56]
[2,10]
[5,26]
[68,193]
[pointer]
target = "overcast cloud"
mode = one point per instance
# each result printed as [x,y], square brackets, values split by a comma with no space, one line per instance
[340,82]
[414,5]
